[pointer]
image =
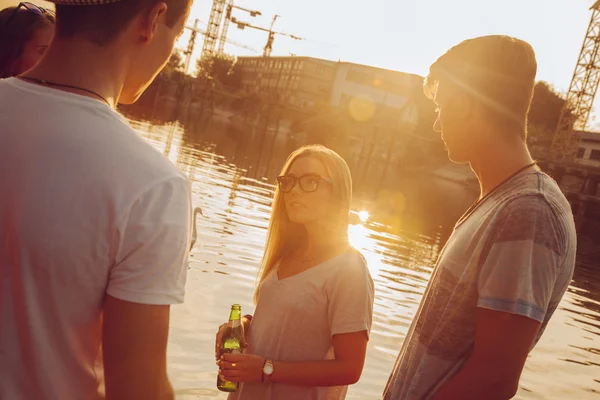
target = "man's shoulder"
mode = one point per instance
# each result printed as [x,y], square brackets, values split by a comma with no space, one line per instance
[138,153]
[538,213]
[541,192]
[534,192]
[102,145]
[531,208]
[108,138]
[139,165]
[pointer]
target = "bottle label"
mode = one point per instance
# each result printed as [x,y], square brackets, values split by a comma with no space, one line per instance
[236,351]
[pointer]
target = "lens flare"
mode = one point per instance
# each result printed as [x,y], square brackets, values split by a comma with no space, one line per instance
[361,108]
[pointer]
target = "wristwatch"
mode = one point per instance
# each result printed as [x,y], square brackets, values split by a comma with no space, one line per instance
[267,371]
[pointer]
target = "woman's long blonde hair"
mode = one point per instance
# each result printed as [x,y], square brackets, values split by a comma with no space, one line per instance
[284,236]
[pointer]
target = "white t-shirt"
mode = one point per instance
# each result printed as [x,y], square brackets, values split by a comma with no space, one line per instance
[87,208]
[296,318]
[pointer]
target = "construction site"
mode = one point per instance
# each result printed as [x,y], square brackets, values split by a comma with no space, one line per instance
[378,114]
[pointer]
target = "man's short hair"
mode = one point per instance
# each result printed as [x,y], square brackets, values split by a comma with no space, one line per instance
[102,23]
[497,71]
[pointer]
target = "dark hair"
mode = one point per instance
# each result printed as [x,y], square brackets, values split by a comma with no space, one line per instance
[102,23]
[16,29]
[497,71]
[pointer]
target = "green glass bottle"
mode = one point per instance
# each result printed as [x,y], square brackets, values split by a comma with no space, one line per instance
[232,343]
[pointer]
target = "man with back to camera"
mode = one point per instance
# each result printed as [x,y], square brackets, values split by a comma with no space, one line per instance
[510,257]
[94,222]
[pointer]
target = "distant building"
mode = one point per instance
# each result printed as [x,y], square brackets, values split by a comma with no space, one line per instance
[307,82]
[588,152]
[387,92]
[304,82]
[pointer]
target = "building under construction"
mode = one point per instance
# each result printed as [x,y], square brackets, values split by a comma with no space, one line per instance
[310,83]
[304,82]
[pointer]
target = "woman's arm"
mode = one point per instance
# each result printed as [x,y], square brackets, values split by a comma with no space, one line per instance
[344,369]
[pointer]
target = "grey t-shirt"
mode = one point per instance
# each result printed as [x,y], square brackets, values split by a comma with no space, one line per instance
[515,253]
[296,318]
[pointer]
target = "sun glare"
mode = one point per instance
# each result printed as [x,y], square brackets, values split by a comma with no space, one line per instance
[364,215]
[360,238]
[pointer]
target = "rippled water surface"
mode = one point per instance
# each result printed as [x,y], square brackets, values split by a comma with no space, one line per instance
[230,187]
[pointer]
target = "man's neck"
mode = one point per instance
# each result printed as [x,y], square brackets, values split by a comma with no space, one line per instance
[499,163]
[82,64]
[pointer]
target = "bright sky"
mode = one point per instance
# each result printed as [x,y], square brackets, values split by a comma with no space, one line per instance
[408,35]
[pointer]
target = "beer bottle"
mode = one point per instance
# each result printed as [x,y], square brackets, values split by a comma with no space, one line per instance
[232,343]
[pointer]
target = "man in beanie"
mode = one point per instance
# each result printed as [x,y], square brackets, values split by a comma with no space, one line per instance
[511,256]
[94,223]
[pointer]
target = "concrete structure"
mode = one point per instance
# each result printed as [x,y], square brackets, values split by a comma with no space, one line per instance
[588,152]
[304,82]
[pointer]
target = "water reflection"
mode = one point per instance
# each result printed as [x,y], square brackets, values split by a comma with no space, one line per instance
[400,229]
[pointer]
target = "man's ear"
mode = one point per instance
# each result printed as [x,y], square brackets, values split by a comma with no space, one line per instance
[151,20]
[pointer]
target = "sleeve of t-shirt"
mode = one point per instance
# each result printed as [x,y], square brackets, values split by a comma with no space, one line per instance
[525,251]
[350,298]
[151,259]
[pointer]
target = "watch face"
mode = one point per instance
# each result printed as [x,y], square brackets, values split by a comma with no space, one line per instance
[268,369]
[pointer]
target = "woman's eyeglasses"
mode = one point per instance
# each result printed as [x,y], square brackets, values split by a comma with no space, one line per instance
[30,7]
[308,183]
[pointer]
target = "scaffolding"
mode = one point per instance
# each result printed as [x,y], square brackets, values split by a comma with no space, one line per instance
[212,29]
[580,97]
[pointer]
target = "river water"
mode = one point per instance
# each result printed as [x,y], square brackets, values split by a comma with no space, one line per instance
[400,232]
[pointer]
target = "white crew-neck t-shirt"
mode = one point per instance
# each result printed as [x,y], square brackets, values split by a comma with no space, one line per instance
[87,208]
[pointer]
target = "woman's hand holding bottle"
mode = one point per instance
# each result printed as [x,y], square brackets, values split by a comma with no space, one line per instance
[241,367]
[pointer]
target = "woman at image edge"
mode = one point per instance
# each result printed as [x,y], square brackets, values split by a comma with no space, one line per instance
[309,334]
[25,33]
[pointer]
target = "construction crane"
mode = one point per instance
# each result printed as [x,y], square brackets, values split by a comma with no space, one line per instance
[580,97]
[242,46]
[192,43]
[269,46]
[212,29]
[228,11]
[271,38]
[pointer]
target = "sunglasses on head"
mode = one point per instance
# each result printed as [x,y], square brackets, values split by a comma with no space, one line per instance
[308,183]
[30,7]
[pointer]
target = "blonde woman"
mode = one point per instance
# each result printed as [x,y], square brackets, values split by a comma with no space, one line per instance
[314,299]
